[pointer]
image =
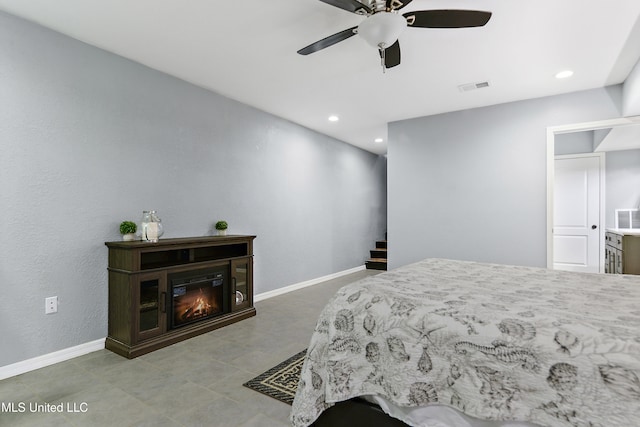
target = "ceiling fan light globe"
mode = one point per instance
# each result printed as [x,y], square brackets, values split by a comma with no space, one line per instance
[382,29]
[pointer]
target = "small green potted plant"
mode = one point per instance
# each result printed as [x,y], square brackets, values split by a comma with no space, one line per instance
[221,226]
[128,230]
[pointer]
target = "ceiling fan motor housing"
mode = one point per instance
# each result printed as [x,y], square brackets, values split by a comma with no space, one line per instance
[382,29]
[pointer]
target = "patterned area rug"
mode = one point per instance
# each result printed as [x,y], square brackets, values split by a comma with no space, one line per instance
[281,381]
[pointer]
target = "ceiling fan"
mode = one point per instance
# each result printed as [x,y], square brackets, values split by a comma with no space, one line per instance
[383,25]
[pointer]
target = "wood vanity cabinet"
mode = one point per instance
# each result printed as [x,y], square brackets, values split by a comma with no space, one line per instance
[143,290]
[622,253]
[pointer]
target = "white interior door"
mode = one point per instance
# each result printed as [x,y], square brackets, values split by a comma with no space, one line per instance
[576,213]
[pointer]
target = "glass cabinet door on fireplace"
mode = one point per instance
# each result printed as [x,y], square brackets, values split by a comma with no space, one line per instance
[241,288]
[151,307]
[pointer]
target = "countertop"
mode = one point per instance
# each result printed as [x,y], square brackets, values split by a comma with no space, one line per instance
[624,231]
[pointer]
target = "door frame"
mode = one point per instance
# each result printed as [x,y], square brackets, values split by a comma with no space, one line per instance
[601,156]
[552,131]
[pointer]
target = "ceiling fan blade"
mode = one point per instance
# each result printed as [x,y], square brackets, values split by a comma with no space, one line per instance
[397,4]
[350,5]
[447,18]
[391,55]
[328,41]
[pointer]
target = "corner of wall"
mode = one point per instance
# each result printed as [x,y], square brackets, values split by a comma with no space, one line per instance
[631,93]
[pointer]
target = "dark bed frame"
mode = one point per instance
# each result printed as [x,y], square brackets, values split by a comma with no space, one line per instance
[356,413]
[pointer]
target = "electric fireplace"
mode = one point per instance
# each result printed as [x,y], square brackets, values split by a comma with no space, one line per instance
[175,289]
[198,295]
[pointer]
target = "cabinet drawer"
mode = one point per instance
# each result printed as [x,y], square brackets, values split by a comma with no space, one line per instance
[614,240]
[619,267]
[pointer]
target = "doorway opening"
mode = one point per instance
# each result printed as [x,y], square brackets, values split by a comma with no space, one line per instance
[602,128]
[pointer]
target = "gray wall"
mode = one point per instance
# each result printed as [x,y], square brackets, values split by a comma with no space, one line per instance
[89,139]
[598,136]
[631,93]
[623,182]
[574,143]
[471,184]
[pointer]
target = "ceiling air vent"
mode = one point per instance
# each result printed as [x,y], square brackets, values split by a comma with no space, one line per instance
[472,86]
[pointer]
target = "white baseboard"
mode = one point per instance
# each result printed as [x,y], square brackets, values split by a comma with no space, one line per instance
[82,349]
[300,285]
[50,359]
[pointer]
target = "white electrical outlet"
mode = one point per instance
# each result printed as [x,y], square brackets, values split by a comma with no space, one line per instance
[50,305]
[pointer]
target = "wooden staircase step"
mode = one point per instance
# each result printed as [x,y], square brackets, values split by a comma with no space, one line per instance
[378,253]
[376,264]
[378,260]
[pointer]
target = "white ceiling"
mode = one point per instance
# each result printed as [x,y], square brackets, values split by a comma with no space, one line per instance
[246,50]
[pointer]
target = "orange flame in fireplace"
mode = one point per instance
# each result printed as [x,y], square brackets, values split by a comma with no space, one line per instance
[199,307]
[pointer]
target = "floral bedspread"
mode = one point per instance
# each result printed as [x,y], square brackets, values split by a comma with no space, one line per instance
[496,342]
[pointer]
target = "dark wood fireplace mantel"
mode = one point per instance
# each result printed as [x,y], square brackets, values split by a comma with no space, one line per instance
[140,289]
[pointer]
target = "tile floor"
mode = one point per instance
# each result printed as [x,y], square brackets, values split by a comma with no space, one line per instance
[197,382]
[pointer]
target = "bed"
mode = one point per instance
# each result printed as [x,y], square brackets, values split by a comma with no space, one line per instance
[454,343]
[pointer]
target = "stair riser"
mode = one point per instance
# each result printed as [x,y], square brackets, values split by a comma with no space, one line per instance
[378,254]
[376,265]
[381,244]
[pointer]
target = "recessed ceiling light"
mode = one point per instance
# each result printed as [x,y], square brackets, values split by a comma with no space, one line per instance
[378,140]
[334,118]
[564,74]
